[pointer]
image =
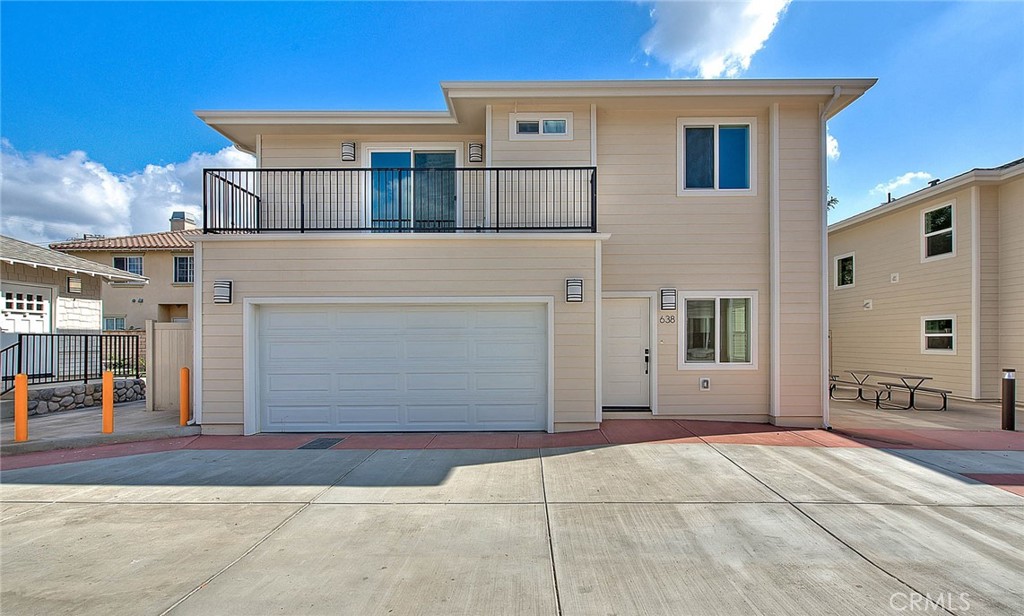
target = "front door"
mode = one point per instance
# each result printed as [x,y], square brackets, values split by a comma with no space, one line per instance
[413,190]
[626,352]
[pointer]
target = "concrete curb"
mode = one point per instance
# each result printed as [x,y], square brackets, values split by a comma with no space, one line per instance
[91,440]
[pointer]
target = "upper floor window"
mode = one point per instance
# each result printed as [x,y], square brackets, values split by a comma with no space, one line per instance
[554,126]
[717,154]
[131,264]
[844,271]
[938,232]
[183,269]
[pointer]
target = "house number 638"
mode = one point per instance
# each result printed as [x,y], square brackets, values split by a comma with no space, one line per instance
[667,318]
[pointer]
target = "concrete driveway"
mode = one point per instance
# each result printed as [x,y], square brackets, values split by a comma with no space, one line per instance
[682,528]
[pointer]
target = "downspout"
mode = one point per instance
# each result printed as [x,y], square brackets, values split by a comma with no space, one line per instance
[836,91]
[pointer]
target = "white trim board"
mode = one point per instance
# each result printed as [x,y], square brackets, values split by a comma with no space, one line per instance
[250,339]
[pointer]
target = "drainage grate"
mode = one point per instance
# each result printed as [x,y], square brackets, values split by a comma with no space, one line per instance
[322,443]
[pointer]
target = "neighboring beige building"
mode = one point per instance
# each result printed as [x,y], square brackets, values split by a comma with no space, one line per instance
[933,283]
[535,257]
[164,258]
[48,292]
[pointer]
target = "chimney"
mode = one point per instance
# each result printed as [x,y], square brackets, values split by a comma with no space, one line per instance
[182,221]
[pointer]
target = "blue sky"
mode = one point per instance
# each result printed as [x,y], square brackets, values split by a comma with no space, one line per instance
[98,98]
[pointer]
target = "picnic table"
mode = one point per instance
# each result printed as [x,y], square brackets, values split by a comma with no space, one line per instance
[911,382]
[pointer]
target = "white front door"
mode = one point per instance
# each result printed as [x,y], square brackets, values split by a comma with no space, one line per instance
[626,352]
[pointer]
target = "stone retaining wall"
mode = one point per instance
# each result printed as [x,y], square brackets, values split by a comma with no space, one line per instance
[67,397]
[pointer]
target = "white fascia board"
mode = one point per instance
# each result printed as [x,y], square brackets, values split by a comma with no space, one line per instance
[661,87]
[84,270]
[300,117]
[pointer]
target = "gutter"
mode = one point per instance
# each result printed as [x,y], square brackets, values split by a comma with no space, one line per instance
[836,91]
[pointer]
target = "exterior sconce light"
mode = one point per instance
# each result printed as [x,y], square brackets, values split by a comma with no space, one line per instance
[573,289]
[222,292]
[668,299]
[348,151]
[476,152]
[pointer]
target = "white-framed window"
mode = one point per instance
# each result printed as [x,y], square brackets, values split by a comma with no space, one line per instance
[938,334]
[113,323]
[25,303]
[938,232]
[717,156]
[129,263]
[545,126]
[843,271]
[184,269]
[718,330]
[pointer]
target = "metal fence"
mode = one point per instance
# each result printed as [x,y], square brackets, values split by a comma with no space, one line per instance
[63,358]
[401,199]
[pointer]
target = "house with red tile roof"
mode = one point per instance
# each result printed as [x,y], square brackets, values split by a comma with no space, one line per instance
[164,258]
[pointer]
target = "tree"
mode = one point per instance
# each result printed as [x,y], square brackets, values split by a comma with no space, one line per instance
[830,200]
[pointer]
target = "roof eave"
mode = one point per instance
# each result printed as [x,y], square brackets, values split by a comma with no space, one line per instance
[126,277]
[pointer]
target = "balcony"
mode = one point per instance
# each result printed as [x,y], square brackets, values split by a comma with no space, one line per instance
[401,200]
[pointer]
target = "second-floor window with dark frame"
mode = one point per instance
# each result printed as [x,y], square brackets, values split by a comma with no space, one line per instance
[183,269]
[131,264]
[938,236]
[717,154]
[844,271]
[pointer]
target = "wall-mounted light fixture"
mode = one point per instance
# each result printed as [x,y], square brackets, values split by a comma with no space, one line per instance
[221,291]
[476,152]
[574,289]
[668,299]
[348,151]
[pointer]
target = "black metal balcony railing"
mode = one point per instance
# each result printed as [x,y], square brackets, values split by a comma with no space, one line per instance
[400,200]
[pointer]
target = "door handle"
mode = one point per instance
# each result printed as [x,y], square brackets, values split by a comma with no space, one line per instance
[647,361]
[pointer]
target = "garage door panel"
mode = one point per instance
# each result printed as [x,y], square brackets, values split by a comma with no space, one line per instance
[433,381]
[434,414]
[403,367]
[368,382]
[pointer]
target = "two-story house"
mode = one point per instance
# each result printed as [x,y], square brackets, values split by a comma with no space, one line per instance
[534,257]
[164,258]
[933,283]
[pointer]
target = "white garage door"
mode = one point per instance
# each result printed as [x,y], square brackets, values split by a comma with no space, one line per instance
[401,367]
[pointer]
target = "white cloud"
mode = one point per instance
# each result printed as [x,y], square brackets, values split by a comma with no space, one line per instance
[715,39]
[51,198]
[832,147]
[915,179]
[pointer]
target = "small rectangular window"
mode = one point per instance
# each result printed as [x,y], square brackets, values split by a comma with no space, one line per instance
[131,264]
[717,331]
[113,323]
[939,334]
[554,127]
[183,269]
[734,157]
[541,126]
[938,232]
[844,271]
[700,157]
[528,128]
[74,284]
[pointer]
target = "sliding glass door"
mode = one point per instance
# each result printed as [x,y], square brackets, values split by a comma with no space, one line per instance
[413,190]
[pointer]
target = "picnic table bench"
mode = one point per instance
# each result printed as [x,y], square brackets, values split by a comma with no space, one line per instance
[910,383]
[942,393]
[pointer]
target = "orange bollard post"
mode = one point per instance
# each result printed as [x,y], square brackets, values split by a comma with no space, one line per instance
[183,397]
[21,408]
[108,402]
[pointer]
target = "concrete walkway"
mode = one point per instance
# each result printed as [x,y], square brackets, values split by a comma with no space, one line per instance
[687,525]
[82,428]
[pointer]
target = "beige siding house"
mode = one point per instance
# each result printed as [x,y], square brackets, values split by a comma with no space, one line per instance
[164,258]
[933,283]
[48,292]
[537,256]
